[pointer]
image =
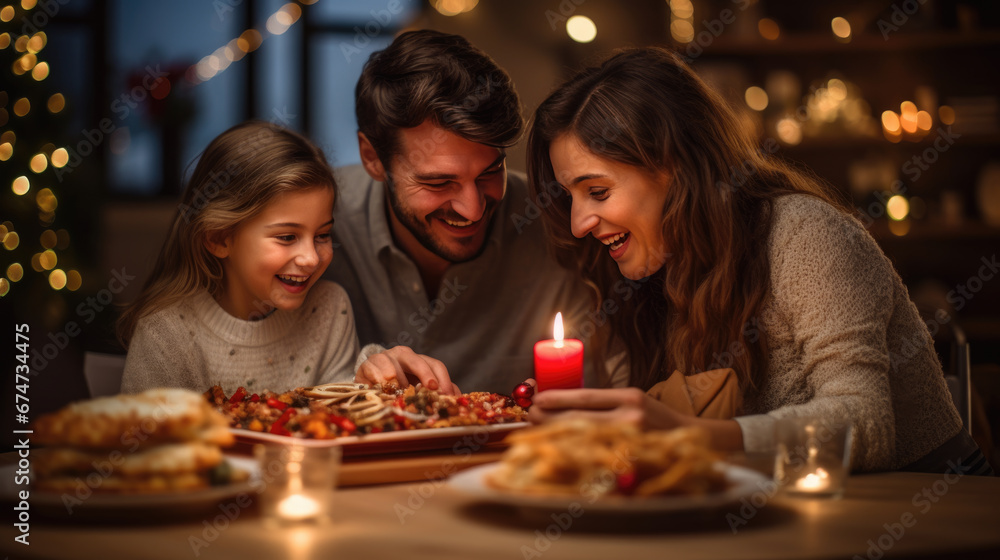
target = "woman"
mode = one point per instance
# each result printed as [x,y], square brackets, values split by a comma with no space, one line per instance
[733,259]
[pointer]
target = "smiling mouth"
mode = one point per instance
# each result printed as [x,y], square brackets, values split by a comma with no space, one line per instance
[615,242]
[294,281]
[458,223]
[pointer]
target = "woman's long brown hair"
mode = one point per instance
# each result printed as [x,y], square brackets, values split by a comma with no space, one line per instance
[701,311]
[240,172]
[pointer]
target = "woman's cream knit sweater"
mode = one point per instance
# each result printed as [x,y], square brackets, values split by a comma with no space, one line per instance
[846,343]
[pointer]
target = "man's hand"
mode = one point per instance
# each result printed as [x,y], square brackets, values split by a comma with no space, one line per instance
[402,365]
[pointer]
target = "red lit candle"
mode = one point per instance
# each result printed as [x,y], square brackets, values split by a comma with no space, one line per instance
[558,362]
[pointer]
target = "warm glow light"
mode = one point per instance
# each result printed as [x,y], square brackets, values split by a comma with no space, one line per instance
[48,239]
[57,279]
[557,330]
[924,121]
[73,280]
[908,121]
[682,31]
[756,98]
[60,157]
[4,40]
[897,207]
[37,42]
[4,287]
[900,228]
[946,114]
[682,9]
[891,122]
[39,163]
[46,200]
[768,29]
[581,29]
[28,4]
[56,103]
[837,89]
[7,14]
[21,44]
[252,38]
[22,106]
[40,71]
[48,259]
[297,507]
[27,61]
[11,240]
[15,272]
[6,150]
[789,131]
[20,185]
[814,481]
[841,27]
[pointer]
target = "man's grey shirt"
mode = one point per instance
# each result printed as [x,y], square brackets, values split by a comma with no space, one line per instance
[488,312]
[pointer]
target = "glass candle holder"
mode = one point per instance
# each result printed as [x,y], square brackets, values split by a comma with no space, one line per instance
[813,456]
[298,482]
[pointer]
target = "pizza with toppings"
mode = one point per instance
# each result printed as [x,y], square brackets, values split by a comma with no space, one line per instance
[349,409]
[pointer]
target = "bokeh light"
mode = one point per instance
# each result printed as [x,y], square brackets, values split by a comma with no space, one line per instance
[897,207]
[581,29]
[768,29]
[57,279]
[60,157]
[39,163]
[841,28]
[21,185]
[73,280]
[756,98]
[15,272]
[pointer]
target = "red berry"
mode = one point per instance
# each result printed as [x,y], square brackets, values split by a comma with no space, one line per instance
[626,482]
[524,391]
[523,402]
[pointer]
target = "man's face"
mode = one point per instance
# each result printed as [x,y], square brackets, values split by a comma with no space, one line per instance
[443,191]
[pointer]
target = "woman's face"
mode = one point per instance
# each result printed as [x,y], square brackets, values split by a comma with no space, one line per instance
[620,205]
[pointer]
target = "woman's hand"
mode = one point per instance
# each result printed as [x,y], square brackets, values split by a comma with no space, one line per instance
[629,405]
[400,364]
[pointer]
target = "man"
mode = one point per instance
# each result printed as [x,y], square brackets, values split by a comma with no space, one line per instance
[438,247]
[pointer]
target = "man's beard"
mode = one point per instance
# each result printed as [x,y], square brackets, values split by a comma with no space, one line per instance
[420,228]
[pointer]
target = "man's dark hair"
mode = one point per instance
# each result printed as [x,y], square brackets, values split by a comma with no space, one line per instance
[428,74]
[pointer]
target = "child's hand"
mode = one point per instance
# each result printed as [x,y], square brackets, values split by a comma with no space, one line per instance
[401,362]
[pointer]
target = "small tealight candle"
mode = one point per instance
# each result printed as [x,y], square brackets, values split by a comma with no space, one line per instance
[298,508]
[817,481]
[558,362]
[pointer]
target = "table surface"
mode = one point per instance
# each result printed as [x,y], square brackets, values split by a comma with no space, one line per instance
[888,515]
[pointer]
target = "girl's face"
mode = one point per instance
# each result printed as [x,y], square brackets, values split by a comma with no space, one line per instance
[273,259]
[620,205]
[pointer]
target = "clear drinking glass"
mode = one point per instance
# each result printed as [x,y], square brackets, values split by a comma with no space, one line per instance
[813,456]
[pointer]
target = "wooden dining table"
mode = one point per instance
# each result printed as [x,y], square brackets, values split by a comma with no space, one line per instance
[885,515]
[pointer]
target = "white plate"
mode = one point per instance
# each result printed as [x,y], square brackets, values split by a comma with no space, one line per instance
[69,504]
[459,437]
[743,482]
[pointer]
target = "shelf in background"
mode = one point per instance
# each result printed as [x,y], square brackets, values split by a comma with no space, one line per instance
[826,43]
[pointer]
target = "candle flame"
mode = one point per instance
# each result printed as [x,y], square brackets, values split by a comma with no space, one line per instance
[557,331]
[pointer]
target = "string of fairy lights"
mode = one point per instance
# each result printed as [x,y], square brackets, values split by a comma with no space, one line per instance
[32,170]
[32,174]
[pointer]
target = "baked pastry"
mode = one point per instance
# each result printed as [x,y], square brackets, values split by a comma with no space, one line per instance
[159,441]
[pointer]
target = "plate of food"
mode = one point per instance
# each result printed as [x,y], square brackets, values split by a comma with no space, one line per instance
[160,449]
[609,468]
[366,420]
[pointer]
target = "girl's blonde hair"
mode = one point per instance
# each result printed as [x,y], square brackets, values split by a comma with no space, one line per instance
[238,175]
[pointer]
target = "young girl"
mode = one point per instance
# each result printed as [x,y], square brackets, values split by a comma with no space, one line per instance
[235,298]
[760,270]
